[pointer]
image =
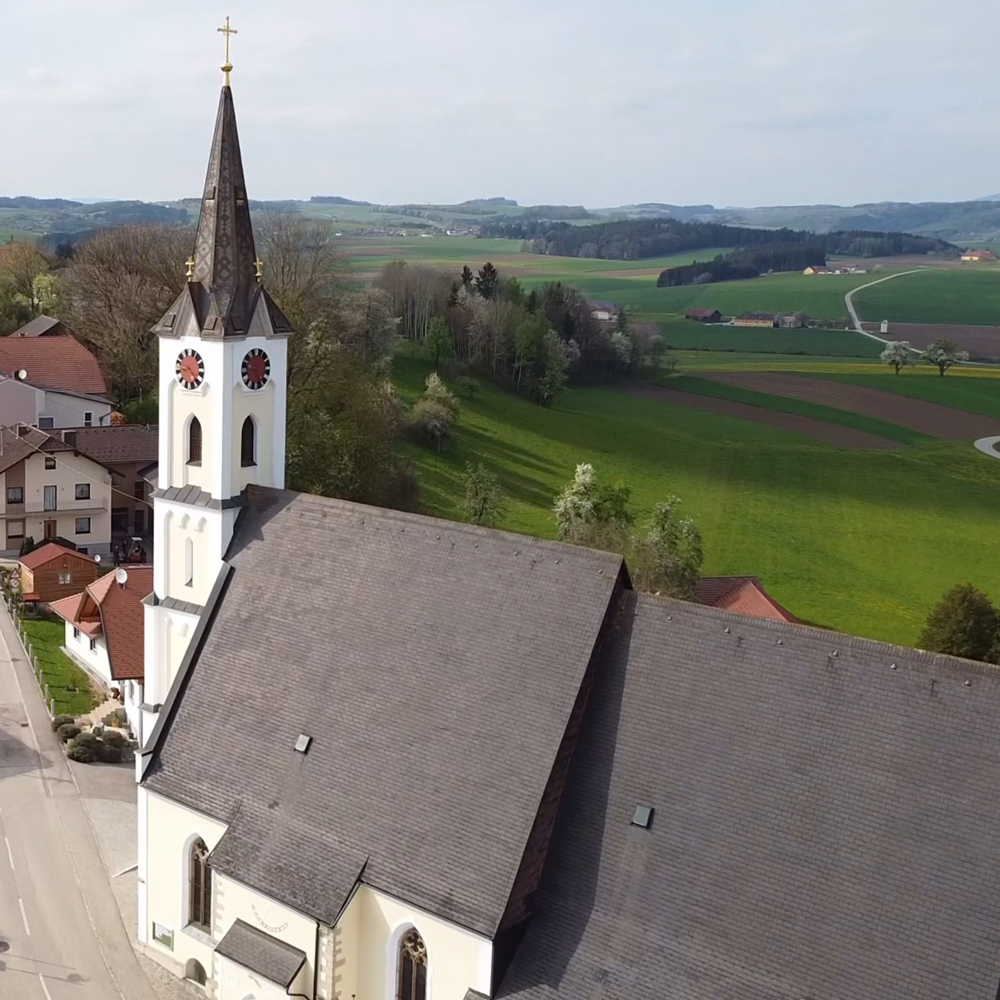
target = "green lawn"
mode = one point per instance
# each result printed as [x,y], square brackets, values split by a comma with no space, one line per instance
[863,541]
[60,672]
[784,404]
[682,334]
[975,390]
[966,296]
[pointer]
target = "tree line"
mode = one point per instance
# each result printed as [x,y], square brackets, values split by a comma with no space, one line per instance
[638,239]
[742,264]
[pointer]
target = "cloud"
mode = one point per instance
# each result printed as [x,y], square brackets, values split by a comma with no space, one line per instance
[593,101]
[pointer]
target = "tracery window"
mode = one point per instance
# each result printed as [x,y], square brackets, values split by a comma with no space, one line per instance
[412,978]
[200,890]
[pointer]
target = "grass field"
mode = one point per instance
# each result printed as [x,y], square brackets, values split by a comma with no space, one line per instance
[682,334]
[69,684]
[969,389]
[803,408]
[864,541]
[969,297]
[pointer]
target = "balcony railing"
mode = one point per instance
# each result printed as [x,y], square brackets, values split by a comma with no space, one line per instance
[62,506]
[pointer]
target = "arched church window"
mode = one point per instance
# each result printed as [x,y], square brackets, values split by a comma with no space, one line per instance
[200,890]
[188,562]
[195,971]
[412,980]
[247,443]
[194,442]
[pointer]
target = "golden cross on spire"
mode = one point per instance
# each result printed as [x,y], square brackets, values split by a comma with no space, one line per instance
[227,30]
[189,264]
[259,265]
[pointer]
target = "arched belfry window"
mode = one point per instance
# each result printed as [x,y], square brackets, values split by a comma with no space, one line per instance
[194,442]
[200,887]
[247,443]
[412,978]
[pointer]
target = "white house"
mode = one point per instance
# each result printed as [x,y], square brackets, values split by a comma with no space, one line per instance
[104,633]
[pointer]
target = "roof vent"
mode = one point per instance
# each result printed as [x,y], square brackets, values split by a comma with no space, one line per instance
[302,743]
[643,817]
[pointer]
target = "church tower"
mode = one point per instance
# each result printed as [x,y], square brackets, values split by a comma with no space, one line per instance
[222,386]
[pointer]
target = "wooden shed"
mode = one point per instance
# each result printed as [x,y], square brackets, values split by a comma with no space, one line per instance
[53,571]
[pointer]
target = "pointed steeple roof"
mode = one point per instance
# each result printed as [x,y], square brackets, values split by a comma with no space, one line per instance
[224,252]
[224,296]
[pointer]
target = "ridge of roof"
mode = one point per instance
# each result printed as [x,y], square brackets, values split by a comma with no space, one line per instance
[45,553]
[58,363]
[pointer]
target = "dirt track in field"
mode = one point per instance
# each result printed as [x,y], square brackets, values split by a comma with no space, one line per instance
[932,419]
[979,341]
[839,437]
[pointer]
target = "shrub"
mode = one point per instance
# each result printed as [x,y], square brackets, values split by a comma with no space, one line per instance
[114,738]
[108,754]
[82,754]
[432,423]
[68,732]
[86,740]
[964,623]
[62,720]
[467,384]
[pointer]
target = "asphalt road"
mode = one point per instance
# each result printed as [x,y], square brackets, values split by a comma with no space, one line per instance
[59,940]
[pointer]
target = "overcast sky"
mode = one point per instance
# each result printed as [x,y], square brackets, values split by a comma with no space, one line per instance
[595,102]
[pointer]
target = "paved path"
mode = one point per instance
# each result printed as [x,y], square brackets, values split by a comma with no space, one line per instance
[58,916]
[849,302]
[989,446]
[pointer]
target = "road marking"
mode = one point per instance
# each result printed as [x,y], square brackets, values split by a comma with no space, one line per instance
[45,989]
[24,916]
[10,854]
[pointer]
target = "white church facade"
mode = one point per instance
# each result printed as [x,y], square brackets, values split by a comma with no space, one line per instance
[391,757]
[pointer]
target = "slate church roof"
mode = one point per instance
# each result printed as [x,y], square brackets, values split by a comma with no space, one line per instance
[435,667]
[825,822]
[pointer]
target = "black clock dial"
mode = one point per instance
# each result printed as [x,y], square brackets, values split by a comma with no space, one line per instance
[256,369]
[190,369]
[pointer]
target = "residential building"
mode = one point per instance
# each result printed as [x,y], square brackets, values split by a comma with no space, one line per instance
[604,312]
[104,633]
[44,326]
[817,269]
[51,382]
[50,490]
[53,571]
[742,595]
[125,449]
[704,315]
[793,321]
[756,319]
[392,756]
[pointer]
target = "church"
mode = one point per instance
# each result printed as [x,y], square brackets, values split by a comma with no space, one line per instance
[389,757]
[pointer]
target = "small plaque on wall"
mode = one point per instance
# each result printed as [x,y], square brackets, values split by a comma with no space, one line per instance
[163,935]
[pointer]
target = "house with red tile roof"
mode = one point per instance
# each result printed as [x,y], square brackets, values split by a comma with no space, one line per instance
[54,570]
[743,595]
[50,379]
[104,632]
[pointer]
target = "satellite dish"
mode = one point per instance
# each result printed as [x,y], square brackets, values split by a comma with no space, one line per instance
[22,374]
[97,559]
[121,578]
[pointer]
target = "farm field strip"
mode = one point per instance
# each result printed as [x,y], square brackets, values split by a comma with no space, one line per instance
[971,390]
[835,434]
[717,387]
[969,297]
[932,419]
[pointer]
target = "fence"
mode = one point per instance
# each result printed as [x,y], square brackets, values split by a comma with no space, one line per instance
[29,653]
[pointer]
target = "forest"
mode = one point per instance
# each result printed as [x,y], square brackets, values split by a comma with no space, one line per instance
[641,239]
[741,264]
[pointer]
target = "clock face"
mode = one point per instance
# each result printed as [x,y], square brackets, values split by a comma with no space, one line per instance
[190,369]
[256,369]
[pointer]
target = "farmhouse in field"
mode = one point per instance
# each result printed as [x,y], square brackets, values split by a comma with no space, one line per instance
[53,571]
[394,757]
[978,256]
[604,312]
[704,315]
[760,319]
[793,321]
[104,633]
[817,269]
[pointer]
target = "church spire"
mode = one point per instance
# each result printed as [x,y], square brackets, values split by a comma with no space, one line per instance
[224,254]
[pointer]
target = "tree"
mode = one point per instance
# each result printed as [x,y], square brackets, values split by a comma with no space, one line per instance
[116,289]
[944,354]
[436,391]
[896,354]
[588,513]
[21,264]
[488,282]
[437,343]
[964,623]
[467,277]
[484,501]
[467,384]
[365,324]
[668,560]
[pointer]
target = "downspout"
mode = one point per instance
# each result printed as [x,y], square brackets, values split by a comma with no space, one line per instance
[302,996]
